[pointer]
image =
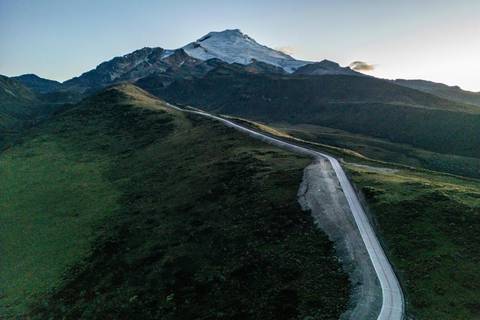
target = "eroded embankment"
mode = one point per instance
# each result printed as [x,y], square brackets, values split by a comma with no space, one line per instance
[321,193]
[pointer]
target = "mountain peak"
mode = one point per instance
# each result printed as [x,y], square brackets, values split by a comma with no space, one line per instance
[326,67]
[226,32]
[38,84]
[328,63]
[233,46]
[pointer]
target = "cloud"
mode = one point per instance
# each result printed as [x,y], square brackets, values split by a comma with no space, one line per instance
[287,50]
[362,66]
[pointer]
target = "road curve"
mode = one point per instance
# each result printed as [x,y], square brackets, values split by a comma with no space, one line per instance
[393,305]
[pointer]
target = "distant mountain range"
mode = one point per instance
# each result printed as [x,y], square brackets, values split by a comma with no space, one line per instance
[197,58]
[193,60]
[453,93]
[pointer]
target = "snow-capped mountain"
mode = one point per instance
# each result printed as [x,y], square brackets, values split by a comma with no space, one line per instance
[232,46]
[196,59]
[131,67]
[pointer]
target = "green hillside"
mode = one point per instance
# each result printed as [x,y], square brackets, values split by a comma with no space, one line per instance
[429,223]
[16,101]
[122,208]
[453,93]
[384,150]
[360,105]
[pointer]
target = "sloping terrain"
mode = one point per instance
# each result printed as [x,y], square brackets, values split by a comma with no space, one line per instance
[21,108]
[452,93]
[37,84]
[133,66]
[384,150]
[430,224]
[16,102]
[18,107]
[135,210]
[364,105]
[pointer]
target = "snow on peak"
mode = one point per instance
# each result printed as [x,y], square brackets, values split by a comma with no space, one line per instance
[233,46]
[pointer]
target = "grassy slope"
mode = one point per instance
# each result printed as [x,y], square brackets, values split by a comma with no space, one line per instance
[367,106]
[199,221]
[52,196]
[430,224]
[21,108]
[453,93]
[385,150]
[15,102]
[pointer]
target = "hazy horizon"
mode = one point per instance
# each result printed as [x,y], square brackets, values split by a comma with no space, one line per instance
[433,40]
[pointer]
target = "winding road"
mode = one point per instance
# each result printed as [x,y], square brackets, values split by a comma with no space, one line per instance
[393,304]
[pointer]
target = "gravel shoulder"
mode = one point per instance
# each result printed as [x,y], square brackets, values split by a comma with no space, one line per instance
[321,193]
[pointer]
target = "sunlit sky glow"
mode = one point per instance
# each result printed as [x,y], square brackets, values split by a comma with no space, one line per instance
[435,40]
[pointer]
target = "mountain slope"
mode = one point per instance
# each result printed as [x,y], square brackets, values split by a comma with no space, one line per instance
[364,105]
[103,192]
[192,60]
[17,106]
[37,84]
[131,67]
[453,93]
[429,222]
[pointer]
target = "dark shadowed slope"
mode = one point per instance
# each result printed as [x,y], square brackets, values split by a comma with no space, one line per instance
[156,214]
[18,106]
[453,93]
[38,84]
[428,222]
[364,105]
[16,102]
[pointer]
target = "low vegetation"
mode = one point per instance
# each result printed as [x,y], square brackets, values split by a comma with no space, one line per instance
[361,105]
[161,215]
[429,223]
[22,108]
[385,150]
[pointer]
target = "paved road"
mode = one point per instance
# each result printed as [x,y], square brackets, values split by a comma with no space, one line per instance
[392,296]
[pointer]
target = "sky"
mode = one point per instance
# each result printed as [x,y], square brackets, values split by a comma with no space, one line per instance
[434,40]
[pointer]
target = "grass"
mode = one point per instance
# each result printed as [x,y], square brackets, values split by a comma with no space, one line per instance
[430,225]
[385,150]
[203,221]
[51,201]
[366,106]
[428,222]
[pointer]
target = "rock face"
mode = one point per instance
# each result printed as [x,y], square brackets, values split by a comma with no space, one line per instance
[130,67]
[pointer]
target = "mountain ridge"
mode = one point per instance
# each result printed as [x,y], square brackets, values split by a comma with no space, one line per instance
[230,46]
[454,93]
[38,84]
